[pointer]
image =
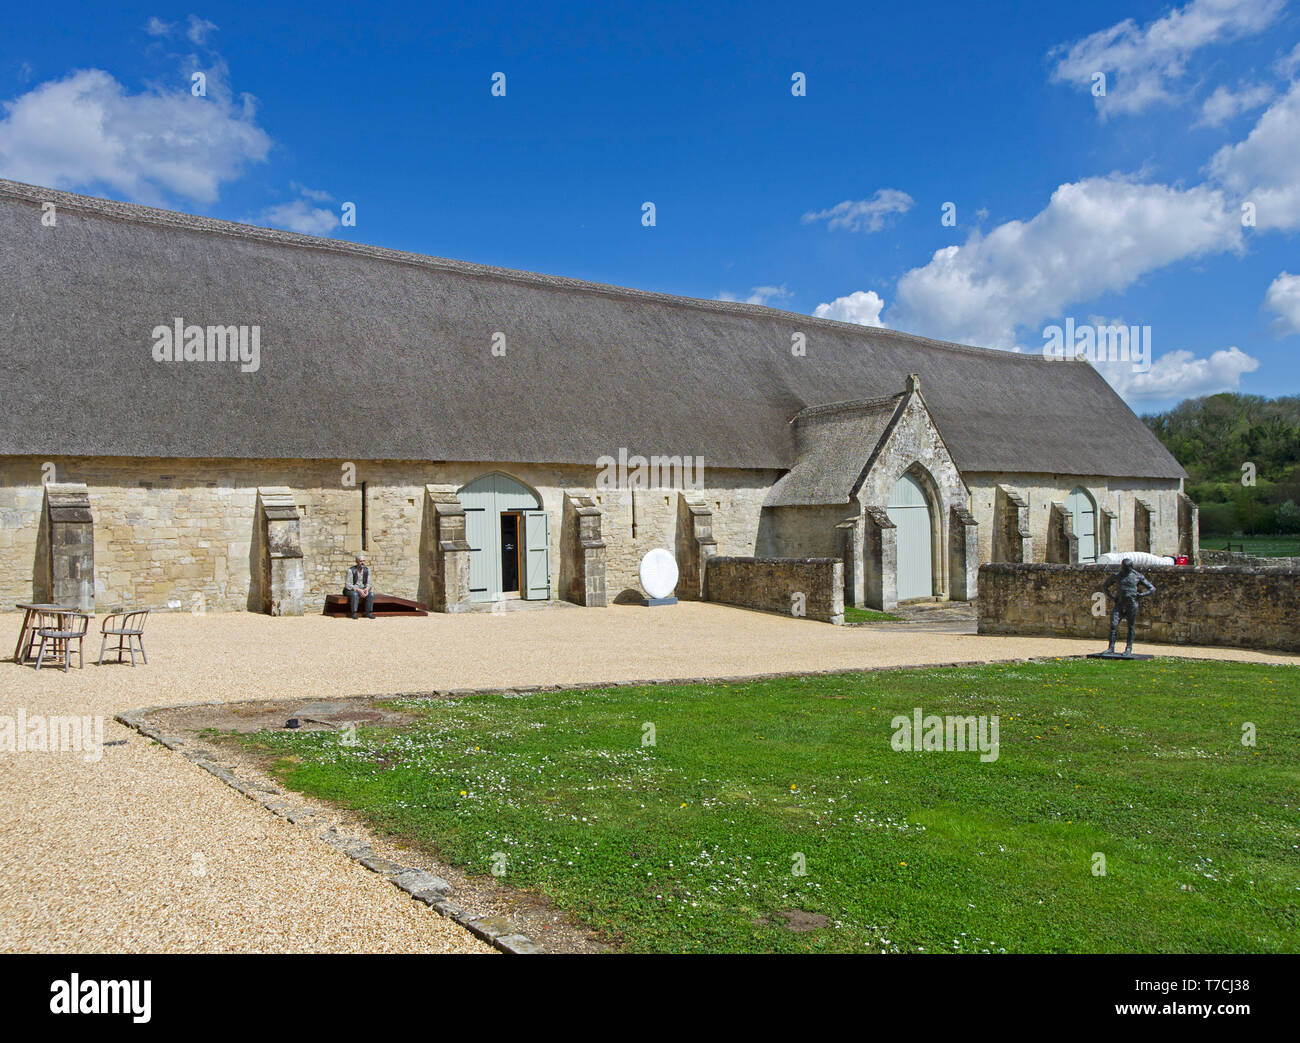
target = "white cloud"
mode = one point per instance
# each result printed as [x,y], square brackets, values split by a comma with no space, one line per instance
[758,295]
[1180,374]
[1288,65]
[300,216]
[311,193]
[1144,64]
[863,215]
[1224,104]
[200,29]
[1095,236]
[1283,298]
[1265,168]
[87,129]
[157,27]
[861,306]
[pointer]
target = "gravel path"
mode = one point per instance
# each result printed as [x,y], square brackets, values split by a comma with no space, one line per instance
[142,851]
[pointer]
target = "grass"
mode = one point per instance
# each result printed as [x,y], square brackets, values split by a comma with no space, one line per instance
[690,844]
[1264,546]
[853,614]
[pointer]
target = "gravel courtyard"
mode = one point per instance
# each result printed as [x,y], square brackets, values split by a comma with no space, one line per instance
[143,851]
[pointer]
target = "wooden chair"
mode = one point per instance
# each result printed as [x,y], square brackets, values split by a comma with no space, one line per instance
[63,629]
[129,630]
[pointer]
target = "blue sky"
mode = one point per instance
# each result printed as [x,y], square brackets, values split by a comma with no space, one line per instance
[1117,208]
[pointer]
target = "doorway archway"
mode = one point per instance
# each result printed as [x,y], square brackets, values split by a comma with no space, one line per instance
[509,539]
[1083,513]
[909,510]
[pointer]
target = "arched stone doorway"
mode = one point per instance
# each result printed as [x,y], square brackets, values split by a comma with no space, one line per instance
[1083,513]
[509,539]
[909,510]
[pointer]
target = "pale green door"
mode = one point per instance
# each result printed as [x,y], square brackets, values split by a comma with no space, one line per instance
[484,499]
[912,528]
[1084,512]
[535,583]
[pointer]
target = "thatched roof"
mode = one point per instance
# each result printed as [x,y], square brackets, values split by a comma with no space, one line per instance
[834,445]
[588,368]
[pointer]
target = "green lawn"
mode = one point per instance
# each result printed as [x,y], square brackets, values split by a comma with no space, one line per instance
[868,615]
[1264,546]
[690,844]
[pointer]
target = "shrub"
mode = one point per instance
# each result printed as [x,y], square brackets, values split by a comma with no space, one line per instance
[1287,518]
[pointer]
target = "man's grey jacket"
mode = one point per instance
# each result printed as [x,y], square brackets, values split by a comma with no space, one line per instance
[358,578]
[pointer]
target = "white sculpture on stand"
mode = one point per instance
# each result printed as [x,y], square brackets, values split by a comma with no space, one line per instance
[659,577]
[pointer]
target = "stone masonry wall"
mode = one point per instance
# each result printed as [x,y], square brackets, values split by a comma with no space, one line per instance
[1232,557]
[179,533]
[776,584]
[801,532]
[1119,495]
[1239,607]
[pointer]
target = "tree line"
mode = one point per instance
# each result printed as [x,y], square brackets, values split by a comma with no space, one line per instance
[1242,457]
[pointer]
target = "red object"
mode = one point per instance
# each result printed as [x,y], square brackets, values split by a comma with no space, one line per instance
[1181,559]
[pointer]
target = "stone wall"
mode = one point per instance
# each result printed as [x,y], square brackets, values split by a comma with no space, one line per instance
[635,521]
[1232,557]
[801,532]
[811,587]
[1123,497]
[180,533]
[1234,606]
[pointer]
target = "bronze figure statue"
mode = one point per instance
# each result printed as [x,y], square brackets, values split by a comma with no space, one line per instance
[1129,585]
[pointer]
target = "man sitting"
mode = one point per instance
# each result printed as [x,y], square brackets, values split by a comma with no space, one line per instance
[356,585]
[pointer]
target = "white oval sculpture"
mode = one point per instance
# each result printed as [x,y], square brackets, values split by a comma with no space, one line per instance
[1139,558]
[658,573]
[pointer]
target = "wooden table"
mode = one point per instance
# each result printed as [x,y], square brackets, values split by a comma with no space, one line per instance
[27,635]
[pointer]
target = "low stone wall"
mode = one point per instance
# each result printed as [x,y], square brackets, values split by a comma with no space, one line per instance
[1234,606]
[810,587]
[1232,557]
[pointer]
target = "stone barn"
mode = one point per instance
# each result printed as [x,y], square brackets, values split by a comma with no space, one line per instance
[233,412]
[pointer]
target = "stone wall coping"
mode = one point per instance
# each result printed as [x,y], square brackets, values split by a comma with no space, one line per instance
[1198,570]
[774,561]
[879,516]
[446,503]
[1013,496]
[67,494]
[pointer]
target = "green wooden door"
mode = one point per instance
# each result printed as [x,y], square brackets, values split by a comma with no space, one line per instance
[484,499]
[535,584]
[911,517]
[1084,512]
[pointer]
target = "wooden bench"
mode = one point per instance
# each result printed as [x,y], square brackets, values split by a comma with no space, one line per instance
[385,605]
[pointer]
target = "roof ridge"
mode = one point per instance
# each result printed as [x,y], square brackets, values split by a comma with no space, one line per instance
[137,213]
[848,406]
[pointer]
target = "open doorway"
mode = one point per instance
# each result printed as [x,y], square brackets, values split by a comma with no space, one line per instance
[509,539]
[510,564]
